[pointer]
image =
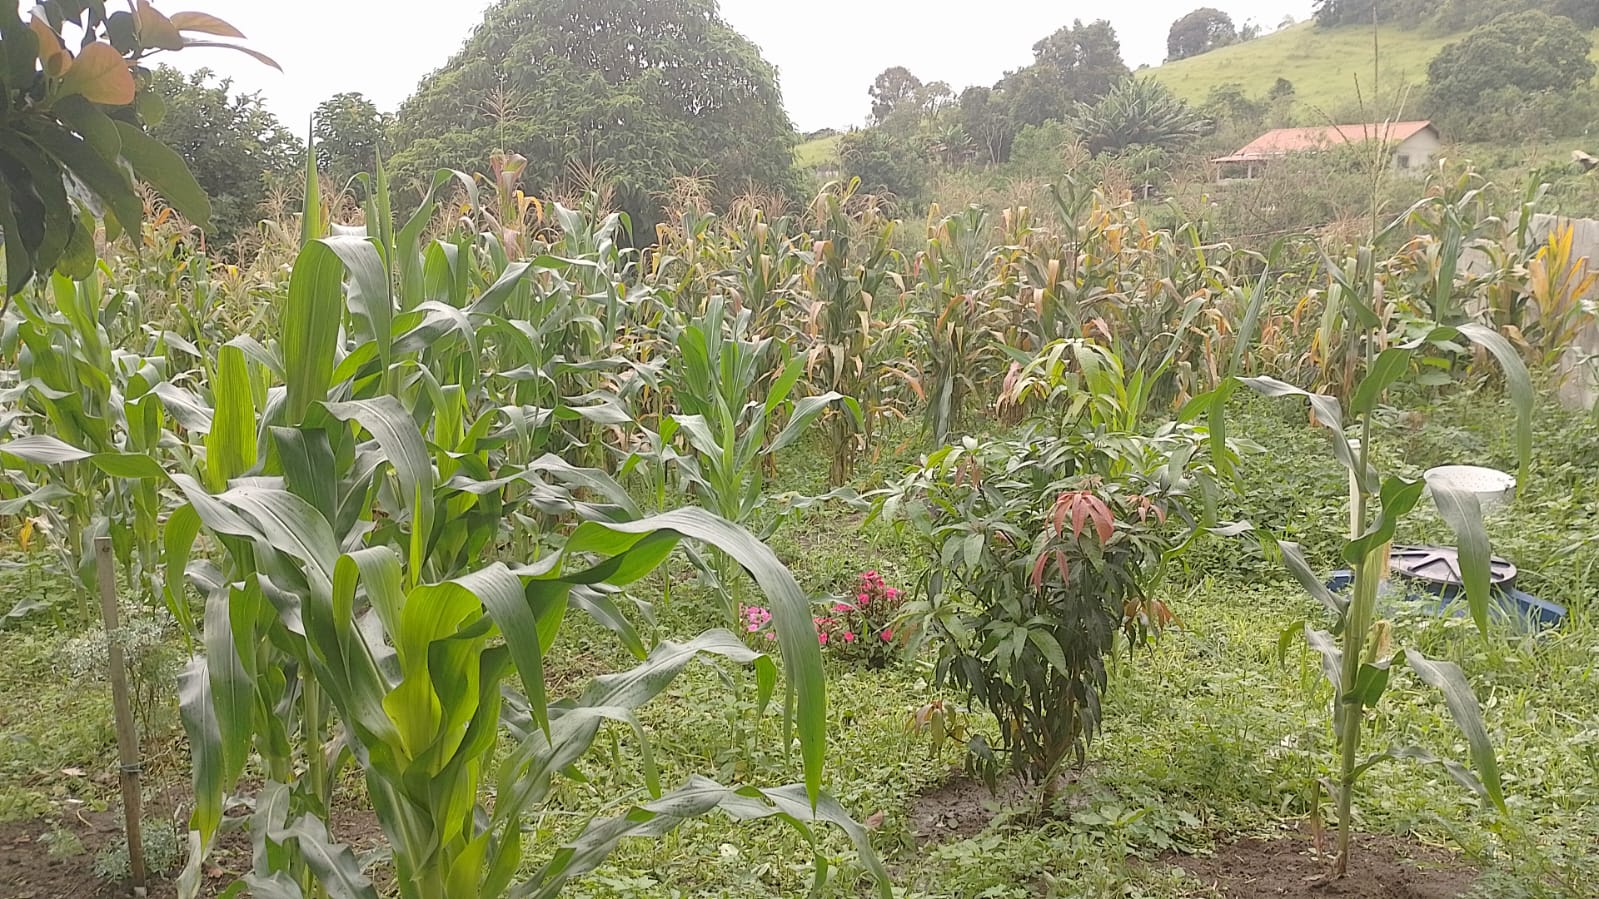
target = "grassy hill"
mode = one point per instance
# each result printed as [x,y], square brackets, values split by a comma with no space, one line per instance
[1322,64]
[819,153]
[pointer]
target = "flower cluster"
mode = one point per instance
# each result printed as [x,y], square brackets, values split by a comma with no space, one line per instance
[859,628]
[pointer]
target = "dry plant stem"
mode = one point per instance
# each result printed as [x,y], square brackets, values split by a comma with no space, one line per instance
[127,734]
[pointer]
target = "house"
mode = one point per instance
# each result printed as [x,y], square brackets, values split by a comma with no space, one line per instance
[1414,146]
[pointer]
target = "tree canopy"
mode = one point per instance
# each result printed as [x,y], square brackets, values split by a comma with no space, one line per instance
[640,91]
[1201,31]
[232,144]
[348,129]
[1529,51]
[894,87]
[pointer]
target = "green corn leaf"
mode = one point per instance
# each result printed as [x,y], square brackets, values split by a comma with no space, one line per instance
[333,863]
[42,449]
[1398,497]
[1391,365]
[1462,511]
[395,431]
[1294,561]
[700,796]
[230,448]
[796,633]
[1328,415]
[309,327]
[1517,378]
[312,224]
[805,412]
[1332,657]
[206,761]
[1447,678]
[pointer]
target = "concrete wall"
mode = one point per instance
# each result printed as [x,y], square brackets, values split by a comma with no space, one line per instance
[1418,152]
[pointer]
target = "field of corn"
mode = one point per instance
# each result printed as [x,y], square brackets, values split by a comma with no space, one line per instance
[1003,535]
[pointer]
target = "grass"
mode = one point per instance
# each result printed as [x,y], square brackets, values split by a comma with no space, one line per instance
[819,153]
[1323,64]
[1208,735]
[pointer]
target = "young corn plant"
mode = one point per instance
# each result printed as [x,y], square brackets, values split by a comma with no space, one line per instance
[1357,657]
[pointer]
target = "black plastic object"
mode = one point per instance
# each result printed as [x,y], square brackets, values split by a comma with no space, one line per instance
[1441,565]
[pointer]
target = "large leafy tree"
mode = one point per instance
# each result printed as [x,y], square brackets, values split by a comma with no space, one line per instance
[1085,59]
[886,163]
[1075,64]
[1528,51]
[1201,31]
[891,89]
[236,148]
[348,129]
[639,90]
[985,118]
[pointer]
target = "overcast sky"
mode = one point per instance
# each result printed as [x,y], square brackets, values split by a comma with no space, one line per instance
[827,51]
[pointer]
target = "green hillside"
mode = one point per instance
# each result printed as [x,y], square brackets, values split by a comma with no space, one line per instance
[818,153]
[1323,65]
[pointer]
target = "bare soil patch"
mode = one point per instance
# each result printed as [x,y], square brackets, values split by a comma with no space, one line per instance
[28,869]
[963,807]
[1382,868]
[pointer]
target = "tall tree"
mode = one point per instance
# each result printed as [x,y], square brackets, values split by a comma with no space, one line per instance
[1529,51]
[986,118]
[348,129]
[1084,59]
[1201,31]
[892,88]
[234,146]
[639,90]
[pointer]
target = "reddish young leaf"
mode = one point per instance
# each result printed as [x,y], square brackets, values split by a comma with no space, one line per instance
[101,75]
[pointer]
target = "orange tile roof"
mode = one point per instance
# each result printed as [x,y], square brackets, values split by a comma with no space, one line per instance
[1289,140]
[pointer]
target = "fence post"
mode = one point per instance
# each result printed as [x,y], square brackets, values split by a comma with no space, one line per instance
[127,734]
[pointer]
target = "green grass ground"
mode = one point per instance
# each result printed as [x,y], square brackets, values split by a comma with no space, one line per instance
[1208,734]
[1323,65]
[819,153]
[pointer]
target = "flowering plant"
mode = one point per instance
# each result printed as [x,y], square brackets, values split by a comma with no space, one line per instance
[860,628]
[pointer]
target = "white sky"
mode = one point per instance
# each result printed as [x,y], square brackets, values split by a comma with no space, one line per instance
[827,51]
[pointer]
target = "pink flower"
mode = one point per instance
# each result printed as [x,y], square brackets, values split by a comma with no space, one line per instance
[841,607]
[771,636]
[892,593]
[754,627]
[849,637]
[887,636]
[822,639]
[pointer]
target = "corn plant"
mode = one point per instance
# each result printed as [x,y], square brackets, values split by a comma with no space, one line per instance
[854,290]
[1357,658]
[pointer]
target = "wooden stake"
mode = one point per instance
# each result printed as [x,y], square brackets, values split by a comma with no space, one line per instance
[127,734]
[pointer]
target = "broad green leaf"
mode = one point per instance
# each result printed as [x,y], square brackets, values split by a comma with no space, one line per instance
[1294,561]
[161,167]
[42,449]
[1398,497]
[1447,678]
[1390,366]
[1519,381]
[1462,511]
[796,633]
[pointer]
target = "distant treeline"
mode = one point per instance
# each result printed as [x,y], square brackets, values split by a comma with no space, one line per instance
[1449,15]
